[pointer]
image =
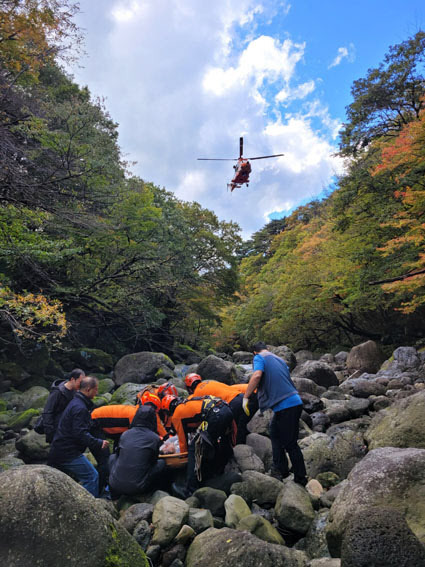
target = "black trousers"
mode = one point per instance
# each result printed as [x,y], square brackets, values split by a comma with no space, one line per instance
[284,430]
[240,416]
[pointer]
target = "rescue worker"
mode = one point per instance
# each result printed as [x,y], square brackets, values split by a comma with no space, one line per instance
[61,393]
[135,467]
[211,421]
[233,396]
[149,399]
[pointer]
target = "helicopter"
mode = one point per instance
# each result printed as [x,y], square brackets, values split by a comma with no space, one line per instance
[242,167]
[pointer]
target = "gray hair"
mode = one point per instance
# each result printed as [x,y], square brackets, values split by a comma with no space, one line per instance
[88,382]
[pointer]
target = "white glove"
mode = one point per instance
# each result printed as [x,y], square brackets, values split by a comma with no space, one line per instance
[245,402]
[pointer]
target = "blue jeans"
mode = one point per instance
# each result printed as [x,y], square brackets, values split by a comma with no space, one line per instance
[85,472]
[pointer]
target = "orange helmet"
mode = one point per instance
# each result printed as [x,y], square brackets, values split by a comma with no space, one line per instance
[147,397]
[167,388]
[169,403]
[191,380]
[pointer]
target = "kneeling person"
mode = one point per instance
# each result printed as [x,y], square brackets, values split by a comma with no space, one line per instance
[135,467]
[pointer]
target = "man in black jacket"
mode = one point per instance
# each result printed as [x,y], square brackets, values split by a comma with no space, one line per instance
[73,437]
[135,467]
[62,392]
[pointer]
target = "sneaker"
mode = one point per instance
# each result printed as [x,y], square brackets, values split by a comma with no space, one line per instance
[180,491]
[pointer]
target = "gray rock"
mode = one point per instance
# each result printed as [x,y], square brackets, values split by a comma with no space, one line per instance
[357,406]
[126,394]
[366,357]
[35,398]
[242,357]
[46,504]
[214,368]
[261,528]
[341,358]
[141,367]
[306,385]
[389,477]
[232,548]
[246,459]
[33,447]
[260,423]
[185,535]
[236,509]
[262,447]
[311,403]
[401,425]
[200,519]
[377,535]
[314,543]
[337,453]
[329,497]
[293,508]
[135,514]
[303,356]
[406,358]
[319,372]
[9,462]
[325,562]
[211,499]
[169,514]
[259,487]
[337,411]
[143,534]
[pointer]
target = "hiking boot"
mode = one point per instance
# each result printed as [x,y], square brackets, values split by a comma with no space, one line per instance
[180,491]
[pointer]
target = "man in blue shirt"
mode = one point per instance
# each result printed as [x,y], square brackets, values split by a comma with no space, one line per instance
[277,391]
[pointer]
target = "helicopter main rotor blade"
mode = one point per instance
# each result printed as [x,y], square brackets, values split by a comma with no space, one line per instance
[215,159]
[265,157]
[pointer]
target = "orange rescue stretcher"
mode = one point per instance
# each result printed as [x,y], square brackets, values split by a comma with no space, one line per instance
[175,460]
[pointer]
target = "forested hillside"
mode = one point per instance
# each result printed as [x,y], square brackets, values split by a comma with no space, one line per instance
[91,255]
[351,266]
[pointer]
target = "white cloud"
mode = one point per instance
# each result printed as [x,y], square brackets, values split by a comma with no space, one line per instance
[344,53]
[182,84]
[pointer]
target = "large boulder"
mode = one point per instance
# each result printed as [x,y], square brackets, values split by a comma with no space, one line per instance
[135,514]
[389,477]
[169,514]
[89,359]
[333,453]
[232,548]
[262,447]
[46,519]
[294,510]
[126,394]
[258,487]
[212,499]
[33,447]
[242,357]
[141,367]
[246,459]
[319,372]
[380,536]
[366,357]
[214,368]
[401,425]
[34,397]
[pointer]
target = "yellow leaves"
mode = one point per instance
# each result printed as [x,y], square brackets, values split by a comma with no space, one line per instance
[33,316]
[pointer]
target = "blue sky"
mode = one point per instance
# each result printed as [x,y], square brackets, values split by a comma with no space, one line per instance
[185,78]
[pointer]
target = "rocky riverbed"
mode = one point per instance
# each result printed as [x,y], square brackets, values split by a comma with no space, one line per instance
[363,441]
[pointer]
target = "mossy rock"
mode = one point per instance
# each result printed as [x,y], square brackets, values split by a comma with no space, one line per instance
[3,405]
[126,394]
[10,462]
[106,385]
[89,359]
[14,372]
[22,419]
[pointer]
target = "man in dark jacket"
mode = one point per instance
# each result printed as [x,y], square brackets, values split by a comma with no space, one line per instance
[73,437]
[61,393]
[135,467]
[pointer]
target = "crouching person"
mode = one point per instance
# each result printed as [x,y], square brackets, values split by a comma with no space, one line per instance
[73,437]
[135,467]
